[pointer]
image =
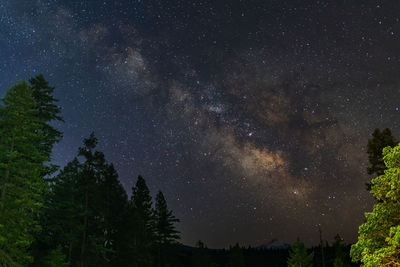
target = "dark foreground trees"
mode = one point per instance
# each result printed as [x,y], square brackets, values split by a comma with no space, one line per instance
[85,207]
[81,217]
[165,232]
[90,216]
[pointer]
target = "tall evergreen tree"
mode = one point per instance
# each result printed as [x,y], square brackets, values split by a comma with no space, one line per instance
[86,209]
[63,212]
[379,237]
[142,203]
[49,113]
[166,234]
[115,202]
[143,224]
[165,228]
[92,242]
[21,163]
[298,256]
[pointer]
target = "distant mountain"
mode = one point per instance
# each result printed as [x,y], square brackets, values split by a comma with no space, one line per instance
[273,244]
[191,248]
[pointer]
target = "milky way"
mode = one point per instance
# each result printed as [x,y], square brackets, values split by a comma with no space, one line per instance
[251,116]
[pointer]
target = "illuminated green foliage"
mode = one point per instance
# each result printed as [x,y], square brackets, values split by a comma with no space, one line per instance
[22,188]
[379,237]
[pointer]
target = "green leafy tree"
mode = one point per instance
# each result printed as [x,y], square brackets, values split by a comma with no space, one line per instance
[22,188]
[379,237]
[298,256]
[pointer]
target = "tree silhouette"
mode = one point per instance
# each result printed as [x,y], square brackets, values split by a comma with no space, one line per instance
[375,146]
[85,210]
[113,203]
[63,214]
[140,230]
[165,233]
[165,228]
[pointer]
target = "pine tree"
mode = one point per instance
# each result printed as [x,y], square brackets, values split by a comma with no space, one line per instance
[379,237]
[166,234]
[235,257]
[86,209]
[21,163]
[298,256]
[64,210]
[114,204]
[93,248]
[49,112]
[142,202]
[143,224]
[165,228]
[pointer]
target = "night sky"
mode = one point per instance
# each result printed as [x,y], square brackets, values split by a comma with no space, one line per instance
[251,116]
